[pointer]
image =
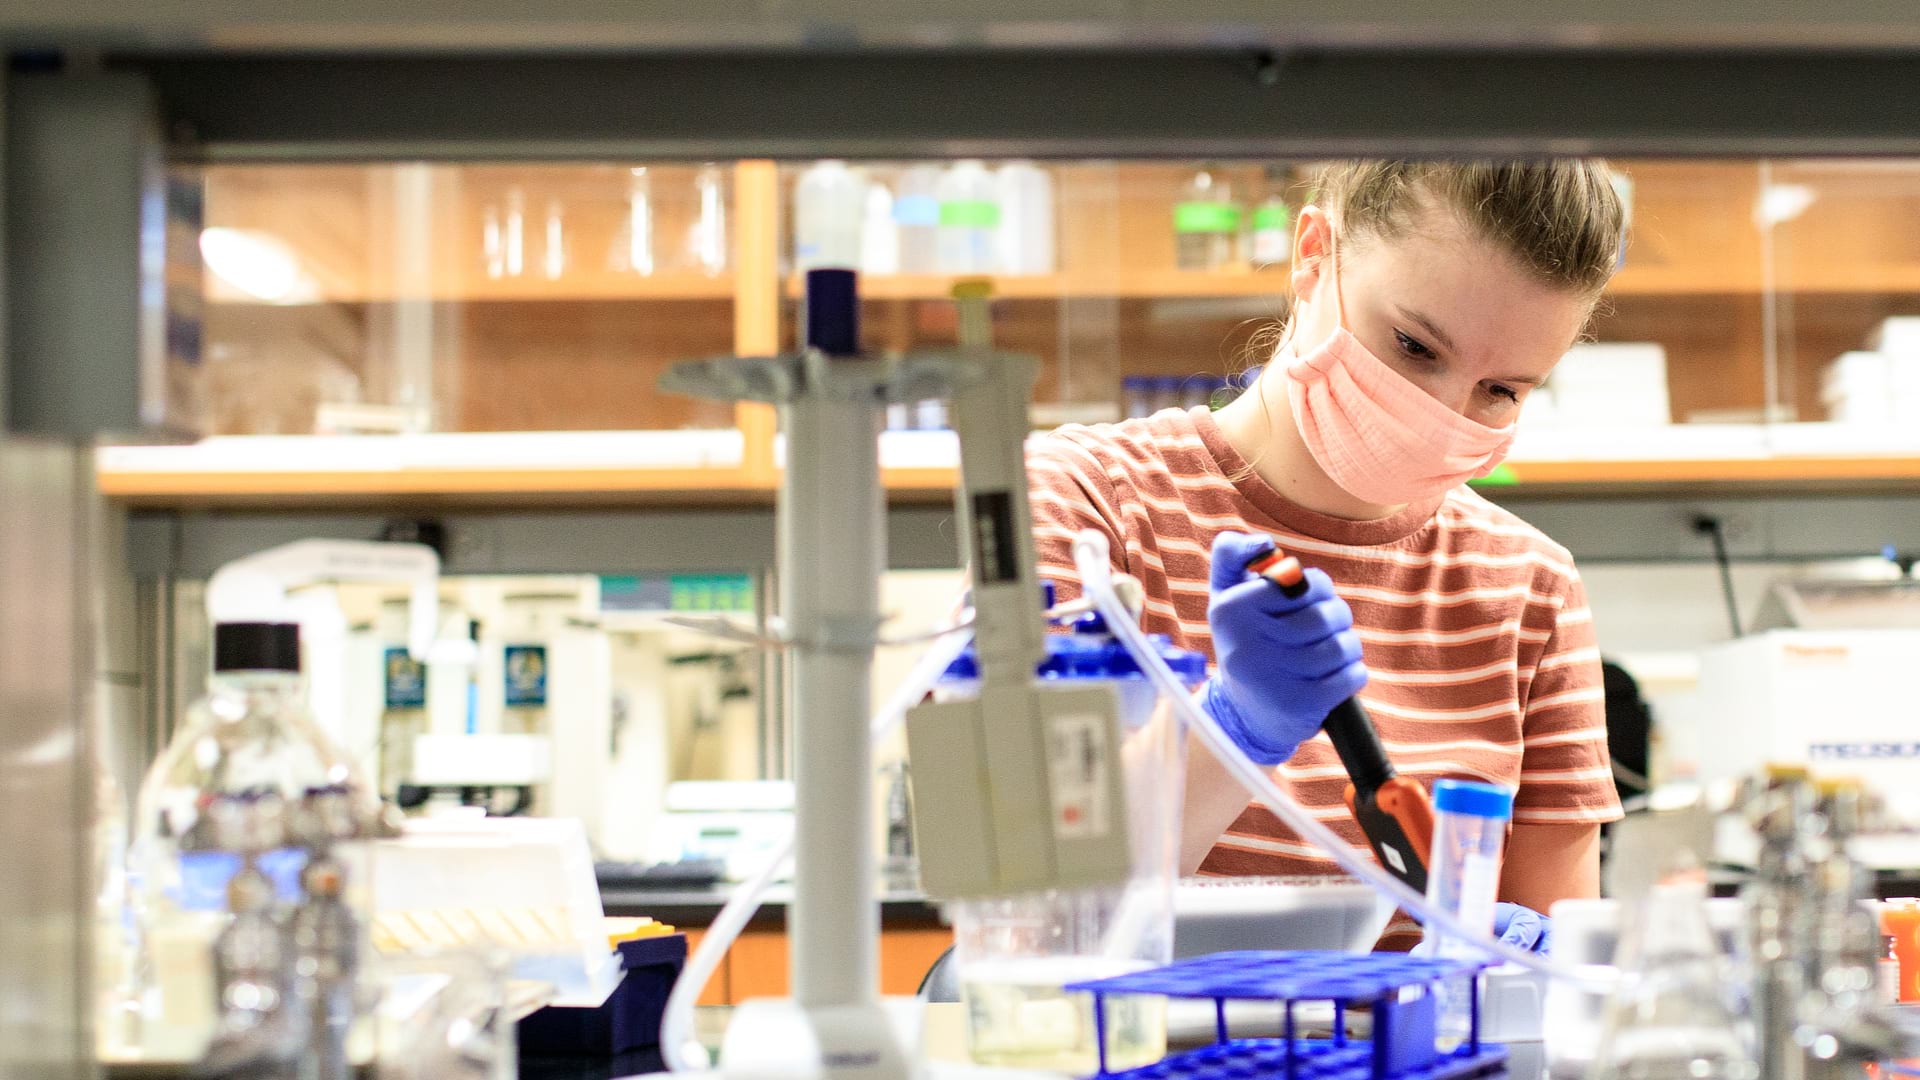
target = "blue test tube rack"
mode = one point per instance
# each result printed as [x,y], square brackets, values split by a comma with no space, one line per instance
[1401,1046]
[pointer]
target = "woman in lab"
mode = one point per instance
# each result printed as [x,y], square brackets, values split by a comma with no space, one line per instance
[1430,299]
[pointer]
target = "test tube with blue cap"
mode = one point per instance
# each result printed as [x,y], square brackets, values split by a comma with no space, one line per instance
[1469,834]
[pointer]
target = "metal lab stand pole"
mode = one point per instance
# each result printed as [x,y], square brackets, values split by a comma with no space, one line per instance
[832,546]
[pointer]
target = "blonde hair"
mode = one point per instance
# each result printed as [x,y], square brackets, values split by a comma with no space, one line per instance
[1560,218]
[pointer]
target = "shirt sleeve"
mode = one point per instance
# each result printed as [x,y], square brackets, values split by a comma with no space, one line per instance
[1566,772]
[1069,491]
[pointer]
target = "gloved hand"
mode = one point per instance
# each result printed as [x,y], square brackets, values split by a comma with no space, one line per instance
[1522,928]
[1284,662]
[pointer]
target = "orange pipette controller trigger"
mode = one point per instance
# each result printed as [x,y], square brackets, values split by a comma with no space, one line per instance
[1393,811]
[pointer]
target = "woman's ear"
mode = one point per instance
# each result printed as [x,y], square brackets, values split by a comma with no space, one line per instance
[1312,244]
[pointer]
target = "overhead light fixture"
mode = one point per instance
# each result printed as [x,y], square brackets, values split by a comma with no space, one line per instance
[259,264]
[1781,203]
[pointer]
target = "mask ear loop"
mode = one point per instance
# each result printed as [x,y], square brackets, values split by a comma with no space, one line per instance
[1339,297]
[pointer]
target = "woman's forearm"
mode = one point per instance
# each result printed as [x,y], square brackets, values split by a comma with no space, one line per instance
[1214,801]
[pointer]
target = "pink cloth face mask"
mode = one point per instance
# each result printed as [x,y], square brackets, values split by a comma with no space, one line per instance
[1376,434]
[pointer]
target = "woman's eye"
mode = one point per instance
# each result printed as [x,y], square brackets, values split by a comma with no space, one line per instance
[1507,392]
[1412,347]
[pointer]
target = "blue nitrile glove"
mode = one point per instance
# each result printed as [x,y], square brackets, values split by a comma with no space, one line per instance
[1522,928]
[1284,662]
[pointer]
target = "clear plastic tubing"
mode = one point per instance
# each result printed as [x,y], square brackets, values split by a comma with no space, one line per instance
[1091,557]
[1469,833]
[681,1051]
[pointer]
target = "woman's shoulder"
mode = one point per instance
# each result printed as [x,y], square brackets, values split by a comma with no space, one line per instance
[1468,521]
[1167,439]
[1128,451]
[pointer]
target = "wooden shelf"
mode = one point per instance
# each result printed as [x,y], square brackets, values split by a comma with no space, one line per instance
[1634,281]
[561,485]
[1131,284]
[1600,478]
[515,469]
[1785,471]
[478,288]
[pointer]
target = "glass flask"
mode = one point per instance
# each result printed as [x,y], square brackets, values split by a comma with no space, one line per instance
[1671,1017]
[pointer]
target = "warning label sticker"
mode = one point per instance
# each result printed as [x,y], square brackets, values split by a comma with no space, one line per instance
[1078,759]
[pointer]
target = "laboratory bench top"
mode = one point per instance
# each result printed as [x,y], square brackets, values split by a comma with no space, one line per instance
[943,1028]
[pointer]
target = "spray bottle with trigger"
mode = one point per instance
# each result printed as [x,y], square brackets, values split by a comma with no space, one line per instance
[1393,811]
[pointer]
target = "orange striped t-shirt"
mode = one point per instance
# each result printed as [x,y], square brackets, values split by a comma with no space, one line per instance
[1473,625]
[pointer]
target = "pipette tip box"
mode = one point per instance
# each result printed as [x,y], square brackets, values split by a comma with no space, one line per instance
[1402,1046]
[629,1021]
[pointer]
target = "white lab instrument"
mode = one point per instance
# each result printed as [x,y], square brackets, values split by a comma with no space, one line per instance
[741,823]
[256,588]
[498,760]
[1215,915]
[1841,702]
[1853,594]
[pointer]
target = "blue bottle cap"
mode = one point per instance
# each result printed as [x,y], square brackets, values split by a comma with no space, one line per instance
[833,312]
[1473,799]
[1091,653]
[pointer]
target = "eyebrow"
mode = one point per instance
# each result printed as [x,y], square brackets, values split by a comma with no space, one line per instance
[1446,343]
[1430,327]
